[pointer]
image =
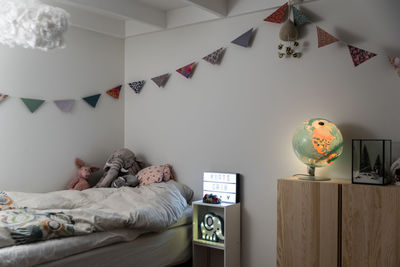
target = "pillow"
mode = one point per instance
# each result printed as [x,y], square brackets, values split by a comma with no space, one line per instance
[155,174]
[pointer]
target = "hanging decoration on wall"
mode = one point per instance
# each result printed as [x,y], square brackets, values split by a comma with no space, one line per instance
[187,71]
[395,61]
[65,105]
[299,17]
[161,80]
[288,33]
[244,39]
[3,97]
[115,92]
[32,104]
[216,56]
[359,55]
[137,86]
[92,100]
[325,38]
[289,50]
[279,15]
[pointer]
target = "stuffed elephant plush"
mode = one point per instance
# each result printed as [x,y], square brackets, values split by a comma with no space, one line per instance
[121,163]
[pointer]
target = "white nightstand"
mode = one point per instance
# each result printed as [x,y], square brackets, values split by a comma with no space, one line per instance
[217,253]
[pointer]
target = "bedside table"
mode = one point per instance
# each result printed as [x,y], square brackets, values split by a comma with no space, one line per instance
[226,252]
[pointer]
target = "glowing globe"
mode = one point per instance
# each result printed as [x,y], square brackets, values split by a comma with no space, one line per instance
[317,143]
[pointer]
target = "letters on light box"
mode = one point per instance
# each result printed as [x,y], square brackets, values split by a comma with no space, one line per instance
[224,185]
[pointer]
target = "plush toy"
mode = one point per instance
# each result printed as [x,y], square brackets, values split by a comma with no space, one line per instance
[289,33]
[80,183]
[121,163]
[126,180]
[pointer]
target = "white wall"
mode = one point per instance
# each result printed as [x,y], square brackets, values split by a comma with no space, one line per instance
[38,150]
[240,116]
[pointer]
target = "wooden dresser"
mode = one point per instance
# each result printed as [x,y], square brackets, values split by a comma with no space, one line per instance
[336,223]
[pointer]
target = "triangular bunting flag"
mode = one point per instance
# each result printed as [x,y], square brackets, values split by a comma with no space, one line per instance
[216,56]
[395,61]
[187,70]
[92,100]
[32,104]
[65,105]
[325,38]
[3,97]
[244,39]
[279,15]
[137,86]
[161,80]
[114,92]
[299,17]
[359,55]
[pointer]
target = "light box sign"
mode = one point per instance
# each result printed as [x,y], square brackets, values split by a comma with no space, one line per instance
[224,185]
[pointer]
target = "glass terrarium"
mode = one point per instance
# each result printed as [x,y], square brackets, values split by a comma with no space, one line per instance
[371,159]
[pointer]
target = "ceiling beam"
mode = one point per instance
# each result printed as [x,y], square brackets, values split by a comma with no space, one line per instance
[124,9]
[216,7]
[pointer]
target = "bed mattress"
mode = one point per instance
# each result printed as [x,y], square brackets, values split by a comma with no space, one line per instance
[168,248]
[107,248]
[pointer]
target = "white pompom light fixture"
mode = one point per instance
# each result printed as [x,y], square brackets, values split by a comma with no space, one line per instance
[32,24]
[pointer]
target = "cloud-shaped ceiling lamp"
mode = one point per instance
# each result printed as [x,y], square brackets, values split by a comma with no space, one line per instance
[32,24]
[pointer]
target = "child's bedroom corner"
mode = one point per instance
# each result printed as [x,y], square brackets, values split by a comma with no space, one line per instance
[152,133]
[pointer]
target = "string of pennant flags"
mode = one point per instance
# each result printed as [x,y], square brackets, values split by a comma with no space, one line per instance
[358,56]
[65,105]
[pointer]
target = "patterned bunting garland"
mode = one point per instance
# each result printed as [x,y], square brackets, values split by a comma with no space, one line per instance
[244,39]
[32,104]
[279,15]
[299,17]
[395,61]
[115,92]
[137,86]
[3,97]
[325,38]
[216,56]
[187,70]
[65,105]
[161,80]
[359,55]
[92,100]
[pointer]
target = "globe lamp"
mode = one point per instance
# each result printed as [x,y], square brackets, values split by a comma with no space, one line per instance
[317,143]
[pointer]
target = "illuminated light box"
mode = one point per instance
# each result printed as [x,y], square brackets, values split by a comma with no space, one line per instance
[224,185]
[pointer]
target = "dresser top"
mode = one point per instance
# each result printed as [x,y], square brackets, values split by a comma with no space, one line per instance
[332,181]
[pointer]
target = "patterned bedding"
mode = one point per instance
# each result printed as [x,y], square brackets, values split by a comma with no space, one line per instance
[31,217]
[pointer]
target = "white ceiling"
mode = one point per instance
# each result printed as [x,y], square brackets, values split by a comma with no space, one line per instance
[165,5]
[125,18]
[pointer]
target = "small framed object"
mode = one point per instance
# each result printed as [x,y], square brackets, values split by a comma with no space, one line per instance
[371,159]
[225,185]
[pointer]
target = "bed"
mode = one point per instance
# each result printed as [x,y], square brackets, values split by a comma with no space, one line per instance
[150,226]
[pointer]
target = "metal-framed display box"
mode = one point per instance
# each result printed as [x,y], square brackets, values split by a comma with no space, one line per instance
[371,160]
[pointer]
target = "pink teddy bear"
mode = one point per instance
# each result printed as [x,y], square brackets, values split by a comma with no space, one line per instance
[80,183]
